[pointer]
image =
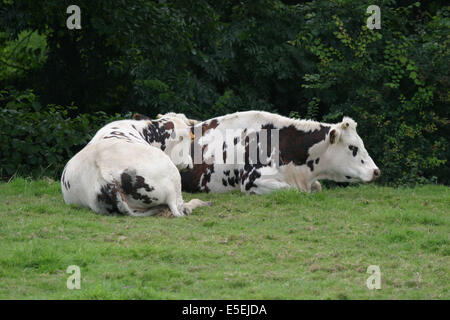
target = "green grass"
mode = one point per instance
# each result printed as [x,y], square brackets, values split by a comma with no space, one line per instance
[286,245]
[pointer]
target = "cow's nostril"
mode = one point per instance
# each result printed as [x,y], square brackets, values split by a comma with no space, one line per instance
[376,173]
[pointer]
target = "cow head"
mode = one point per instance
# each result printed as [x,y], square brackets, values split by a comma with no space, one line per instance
[346,159]
[178,143]
[171,133]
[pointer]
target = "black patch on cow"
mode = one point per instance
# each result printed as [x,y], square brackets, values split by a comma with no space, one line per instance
[192,181]
[252,176]
[236,140]
[254,139]
[158,132]
[295,143]
[117,135]
[212,124]
[241,174]
[348,177]
[269,127]
[353,149]
[232,181]
[224,152]
[197,178]
[65,183]
[108,197]
[224,182]
[310,164]
[131,183]
[317,160]
[207,177]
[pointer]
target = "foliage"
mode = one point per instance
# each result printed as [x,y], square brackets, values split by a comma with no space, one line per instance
[392,81]
[205,58]
[27,52]
[37,141]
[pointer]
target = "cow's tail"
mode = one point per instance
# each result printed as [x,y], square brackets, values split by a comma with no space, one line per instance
[175,204]
[177,210]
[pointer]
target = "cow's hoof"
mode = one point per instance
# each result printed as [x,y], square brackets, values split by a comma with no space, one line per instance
[316,186]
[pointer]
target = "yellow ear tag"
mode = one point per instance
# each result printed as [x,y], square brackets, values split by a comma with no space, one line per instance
[192,135]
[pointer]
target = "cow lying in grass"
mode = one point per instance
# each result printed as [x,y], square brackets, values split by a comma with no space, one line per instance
[131,167]
[259,152]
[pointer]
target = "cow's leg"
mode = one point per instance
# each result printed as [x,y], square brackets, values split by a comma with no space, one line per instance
[124,201]
[125,209]
[176,206]
[113,198]
[264,186]
[269,185]
[139,195]
[262,180]
[179,207]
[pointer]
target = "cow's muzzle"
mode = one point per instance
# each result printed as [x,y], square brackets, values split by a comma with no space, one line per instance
[376,174]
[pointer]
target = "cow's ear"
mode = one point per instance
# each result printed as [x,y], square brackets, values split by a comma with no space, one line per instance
[138,116]
[334,136]
[348,123]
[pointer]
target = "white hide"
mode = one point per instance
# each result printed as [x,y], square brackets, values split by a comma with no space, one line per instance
[103,161]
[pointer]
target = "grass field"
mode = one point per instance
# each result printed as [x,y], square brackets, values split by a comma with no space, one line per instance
[286,245]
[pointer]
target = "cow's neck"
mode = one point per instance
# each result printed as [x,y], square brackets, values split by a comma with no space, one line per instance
[300,147]
[301,177]
[302,157]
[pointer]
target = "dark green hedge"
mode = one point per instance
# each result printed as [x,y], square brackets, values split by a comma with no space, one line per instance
[205,58]
[37,141]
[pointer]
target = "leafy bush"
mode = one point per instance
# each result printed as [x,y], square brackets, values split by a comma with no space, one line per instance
[316,59]
[26,53]
[393,81]
[36,141]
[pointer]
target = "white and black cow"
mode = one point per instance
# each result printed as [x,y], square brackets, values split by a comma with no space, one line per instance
[131,167]
[296,154]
